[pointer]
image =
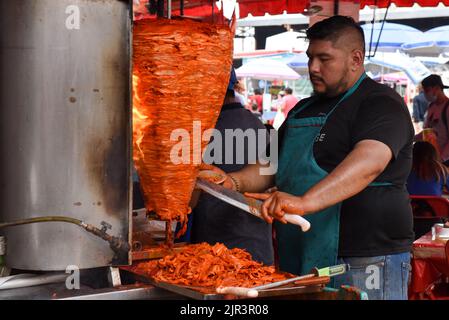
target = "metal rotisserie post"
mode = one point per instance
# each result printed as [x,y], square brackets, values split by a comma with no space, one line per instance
[65,128]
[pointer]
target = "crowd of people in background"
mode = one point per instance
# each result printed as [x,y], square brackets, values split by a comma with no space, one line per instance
[281,102]
[429,174]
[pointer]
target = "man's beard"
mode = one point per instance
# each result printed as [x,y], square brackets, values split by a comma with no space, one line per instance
[335,90]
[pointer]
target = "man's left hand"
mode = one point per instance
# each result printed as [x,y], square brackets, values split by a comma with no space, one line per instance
[277,204]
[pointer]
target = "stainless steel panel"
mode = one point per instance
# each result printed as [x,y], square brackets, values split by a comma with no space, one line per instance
[60,292]
[65,128]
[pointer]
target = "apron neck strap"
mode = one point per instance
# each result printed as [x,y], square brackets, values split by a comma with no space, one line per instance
[345,96]
[348,93]
[354,87]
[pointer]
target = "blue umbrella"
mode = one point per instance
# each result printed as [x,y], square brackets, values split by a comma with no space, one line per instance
[436,41]
[412,67]
[267,69]
[440,36]
[298,61]
[392,36]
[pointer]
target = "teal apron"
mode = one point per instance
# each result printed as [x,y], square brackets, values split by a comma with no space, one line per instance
[298,171]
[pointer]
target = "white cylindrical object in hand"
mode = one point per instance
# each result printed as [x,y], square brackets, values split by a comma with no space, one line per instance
[298,220]
[238,291]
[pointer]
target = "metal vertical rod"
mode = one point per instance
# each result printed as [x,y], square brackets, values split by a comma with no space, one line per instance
[160,8]
[169,9]
[336,7]
[372,30]
[169,237]
[181,9]
[382,27]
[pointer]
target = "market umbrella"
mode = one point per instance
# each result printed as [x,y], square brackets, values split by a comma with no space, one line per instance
[392,36]
[399,77]
[289,41]
[267,69]
[399,61]
[431,62]
[436,42]
[298,61]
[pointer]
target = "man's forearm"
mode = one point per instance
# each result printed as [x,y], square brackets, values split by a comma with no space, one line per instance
[250,179]
[359,169]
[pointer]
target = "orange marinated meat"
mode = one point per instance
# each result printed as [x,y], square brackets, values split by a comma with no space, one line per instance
[180,75]
[203,265]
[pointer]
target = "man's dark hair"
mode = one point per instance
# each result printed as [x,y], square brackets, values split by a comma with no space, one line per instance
[433,80]
[257,91]
[288,90]
[333,28]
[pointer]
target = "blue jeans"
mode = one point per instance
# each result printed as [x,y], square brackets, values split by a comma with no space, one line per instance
[381,277]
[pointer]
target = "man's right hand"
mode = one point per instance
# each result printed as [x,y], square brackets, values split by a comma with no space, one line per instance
[247,179]
[228,183]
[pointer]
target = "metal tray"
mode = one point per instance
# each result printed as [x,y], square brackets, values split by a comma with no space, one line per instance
[156,252]
[199,293]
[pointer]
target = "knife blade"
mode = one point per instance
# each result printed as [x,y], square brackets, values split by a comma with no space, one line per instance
[254,291]
[250,205]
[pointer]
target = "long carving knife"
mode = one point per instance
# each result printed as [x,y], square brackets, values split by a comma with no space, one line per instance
[250,205]
[254,292]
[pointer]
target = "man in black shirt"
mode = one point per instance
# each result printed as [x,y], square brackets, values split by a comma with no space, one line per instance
[345,154]
[216,221]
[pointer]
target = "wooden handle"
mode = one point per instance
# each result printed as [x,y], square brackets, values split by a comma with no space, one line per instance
[238,291]
[312,281]
[298,220]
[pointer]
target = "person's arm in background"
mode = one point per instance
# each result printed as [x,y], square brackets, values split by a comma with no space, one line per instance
[415,114]
[444,149]
[282,104]
[241,98]
[419,136]
[428,117]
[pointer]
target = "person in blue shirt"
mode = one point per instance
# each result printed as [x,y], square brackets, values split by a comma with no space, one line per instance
[428,176]
[420,105]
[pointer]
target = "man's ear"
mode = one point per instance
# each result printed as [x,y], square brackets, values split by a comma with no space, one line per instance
[357,58]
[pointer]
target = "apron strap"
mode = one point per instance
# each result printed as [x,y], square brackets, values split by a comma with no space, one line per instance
[348,93]
[305,105]
[345,96]
[380,184]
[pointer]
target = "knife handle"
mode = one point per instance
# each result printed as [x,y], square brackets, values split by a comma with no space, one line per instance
[298,220]
[238,291]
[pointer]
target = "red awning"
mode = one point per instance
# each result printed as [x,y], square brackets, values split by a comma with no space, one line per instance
[260,7]
[202,8]
[403,3]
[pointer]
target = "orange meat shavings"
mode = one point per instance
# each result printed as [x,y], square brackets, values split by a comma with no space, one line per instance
[203,265]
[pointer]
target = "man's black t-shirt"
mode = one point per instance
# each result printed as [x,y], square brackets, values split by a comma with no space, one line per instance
[378,220]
